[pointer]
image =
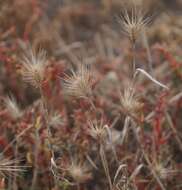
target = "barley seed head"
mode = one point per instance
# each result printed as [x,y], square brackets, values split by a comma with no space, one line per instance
[133,22]
[130,103]
[78,84]
[75,171]
[10,167]
[55,119]
[12,107]
[33,67]
[80,172]
[164,172]
[97,130]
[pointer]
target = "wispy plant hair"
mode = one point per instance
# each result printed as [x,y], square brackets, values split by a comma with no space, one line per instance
[78,83]
[33,67]
[12,107]
[10,167]
[130,102]
[133,21]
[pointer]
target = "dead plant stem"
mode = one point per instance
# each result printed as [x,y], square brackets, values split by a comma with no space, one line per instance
[105,165]
[46,117]
[147,158]
[149,55]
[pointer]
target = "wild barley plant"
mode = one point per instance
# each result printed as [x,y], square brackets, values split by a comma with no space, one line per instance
[33,72]
[78,85]
[73,173]
[10,168]
[133,22]
[99,132]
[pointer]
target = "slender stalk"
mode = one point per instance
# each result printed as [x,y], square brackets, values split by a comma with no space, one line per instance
[78,187]
[147,159]
[105,165]
[36,166]
[15,139]
[149,55]
[15,176]
[46,117]
[134,57]
[91,103]
[9,183]
[174,131]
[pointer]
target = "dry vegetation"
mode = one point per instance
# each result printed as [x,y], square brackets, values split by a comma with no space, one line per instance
[90,95]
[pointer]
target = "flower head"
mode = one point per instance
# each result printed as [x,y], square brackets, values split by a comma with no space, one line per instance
[12,107]
[130,103]
[33,67]
[56,119]
[72,172]
[98,130]
[10,167]
[80,172]
[78,84]
[133,22]
[164,172]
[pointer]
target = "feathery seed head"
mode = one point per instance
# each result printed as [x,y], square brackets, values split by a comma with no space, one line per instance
[97,130]
[79,83]
[33,67]
[9,167]
[12,107]
[164,172]
[72,172]
[130,103]
[55,119]
[133,22]
[80,172]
